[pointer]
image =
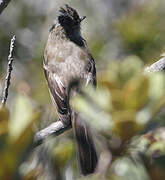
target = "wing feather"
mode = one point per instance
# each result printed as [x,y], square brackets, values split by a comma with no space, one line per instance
[58,91]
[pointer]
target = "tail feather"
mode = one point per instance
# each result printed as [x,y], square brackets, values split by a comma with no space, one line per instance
[87,155]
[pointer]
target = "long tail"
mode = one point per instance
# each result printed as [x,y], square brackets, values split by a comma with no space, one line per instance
[87,156]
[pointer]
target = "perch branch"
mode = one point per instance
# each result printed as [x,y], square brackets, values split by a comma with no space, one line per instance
[3,4]
[9,70]
[55,129]
[58,127]
[157,66]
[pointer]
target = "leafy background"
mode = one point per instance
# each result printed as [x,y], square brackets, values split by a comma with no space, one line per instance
[128,114]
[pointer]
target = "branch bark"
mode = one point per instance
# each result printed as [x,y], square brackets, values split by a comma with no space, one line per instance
[3,4]
[157,66]
[55,129]
[9,70]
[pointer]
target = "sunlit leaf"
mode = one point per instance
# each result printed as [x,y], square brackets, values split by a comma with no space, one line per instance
[63,153]
[136,92]
[22,113]
[125,125]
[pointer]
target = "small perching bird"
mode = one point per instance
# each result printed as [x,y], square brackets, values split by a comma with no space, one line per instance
[66,58]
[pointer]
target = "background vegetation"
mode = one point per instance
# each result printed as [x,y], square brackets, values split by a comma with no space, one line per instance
[126,112]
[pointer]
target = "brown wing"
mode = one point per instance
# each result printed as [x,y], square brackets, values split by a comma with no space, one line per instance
[57,91]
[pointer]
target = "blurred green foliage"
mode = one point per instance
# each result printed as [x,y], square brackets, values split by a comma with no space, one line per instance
[133,101]
[13,149]
[142,31]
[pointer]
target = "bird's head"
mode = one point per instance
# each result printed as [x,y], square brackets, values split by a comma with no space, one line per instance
[69,18]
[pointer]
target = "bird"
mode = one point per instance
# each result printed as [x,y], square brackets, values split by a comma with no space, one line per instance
[67,57]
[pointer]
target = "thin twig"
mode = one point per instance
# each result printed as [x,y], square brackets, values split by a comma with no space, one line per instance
[3,4]
[9,70]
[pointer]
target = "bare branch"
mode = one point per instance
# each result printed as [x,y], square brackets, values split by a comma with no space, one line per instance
[3,4]
[55,129]
[9,70]
[157,66]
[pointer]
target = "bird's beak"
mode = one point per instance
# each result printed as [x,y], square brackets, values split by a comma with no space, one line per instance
[82,18]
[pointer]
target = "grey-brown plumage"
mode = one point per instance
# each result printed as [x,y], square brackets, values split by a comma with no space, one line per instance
[67,57]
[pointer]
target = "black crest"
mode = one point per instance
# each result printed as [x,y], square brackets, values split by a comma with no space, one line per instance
[69,12]
[69,17]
